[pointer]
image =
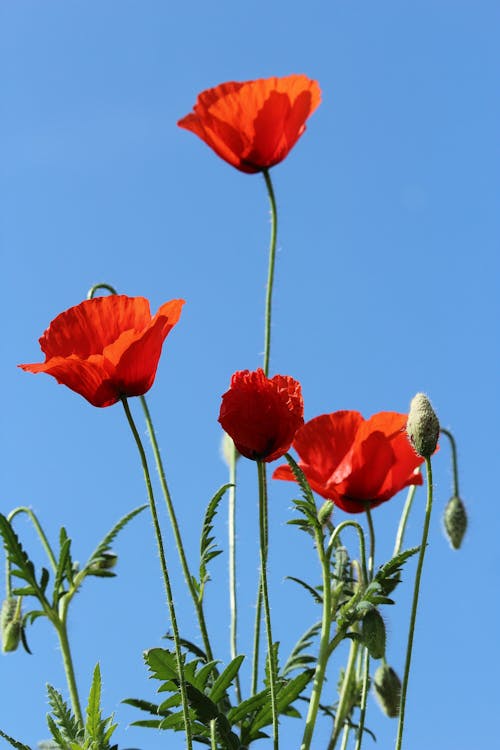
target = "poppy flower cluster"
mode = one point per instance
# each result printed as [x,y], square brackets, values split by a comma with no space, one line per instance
[107,347]
[253,125]
[262,414]
[355,462]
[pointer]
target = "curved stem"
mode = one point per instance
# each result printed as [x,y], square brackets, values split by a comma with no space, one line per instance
[263,527]
[453,460]
[404,520]
[166,578]
[233,605]
[362,545]
[175,527]
[93,289]
[324,643]
[39,530]
[270,272]
[413,617]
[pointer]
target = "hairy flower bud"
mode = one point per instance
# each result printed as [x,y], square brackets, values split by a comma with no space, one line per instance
[104,564]
[11,624]
[455,521]
[387,686]
[373,633]
[422,426]
[325,512]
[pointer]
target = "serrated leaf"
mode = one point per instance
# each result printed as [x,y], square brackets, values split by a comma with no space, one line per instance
[56,733]
[224,680]
[286,695]
[205,709]
[315,595]
[15,743]
[302,481]
[24,568]
[44,579]
[62,565]
[162,663]
[208,549]
[294,661]
[63,715]
[250,705]
[105,544]
[143,705]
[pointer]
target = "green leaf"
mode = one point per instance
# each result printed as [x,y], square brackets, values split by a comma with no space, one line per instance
[62,566]
[286,695]
[146,706]
[225,679]
[317,597]
[15,743]
[24,568]
[67,723]
[105,545]
[297,659]
[248,707]
[208,549]
[93,724]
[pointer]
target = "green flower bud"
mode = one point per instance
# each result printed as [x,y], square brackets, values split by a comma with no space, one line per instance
[455,521]
[103,564]
[325,512]
[373,633]
[228,449]
[11,624]
[422,426]
[387,686]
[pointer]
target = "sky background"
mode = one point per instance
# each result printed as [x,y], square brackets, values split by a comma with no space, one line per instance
[386,284]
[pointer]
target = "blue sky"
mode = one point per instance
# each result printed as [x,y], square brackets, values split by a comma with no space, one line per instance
[386,284]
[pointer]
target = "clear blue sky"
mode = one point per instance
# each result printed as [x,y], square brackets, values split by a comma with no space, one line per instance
[386,284]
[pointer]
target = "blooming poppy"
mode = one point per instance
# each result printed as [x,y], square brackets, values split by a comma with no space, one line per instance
[107,347]
[253,125]
[262,414]
[354,461]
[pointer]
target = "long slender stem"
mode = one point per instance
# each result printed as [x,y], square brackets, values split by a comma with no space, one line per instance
[166,577]
[263,527]
[453,460]
[371,535]
[62,633]
[324,643]
[403,521]
[175,528]
[233,604]
[34,520]
[270,272]
[413,617]
[345,691]
[364,698]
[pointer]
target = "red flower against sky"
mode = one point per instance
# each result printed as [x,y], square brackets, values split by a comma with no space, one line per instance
[107,347]
[253,125]
[262,414]
[353,461]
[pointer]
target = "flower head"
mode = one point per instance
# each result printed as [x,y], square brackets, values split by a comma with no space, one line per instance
[262,414]
[354,461]
[253,125]
[107,347]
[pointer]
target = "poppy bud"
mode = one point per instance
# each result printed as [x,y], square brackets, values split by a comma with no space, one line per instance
[325,512]
[387,686]
[11,624]
[105,562]
[422,426]
[228,449]
[373,633]
[455,521]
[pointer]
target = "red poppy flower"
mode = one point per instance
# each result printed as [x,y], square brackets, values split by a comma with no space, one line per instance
[253,125]
[353,461]
[262,414]
[107,347]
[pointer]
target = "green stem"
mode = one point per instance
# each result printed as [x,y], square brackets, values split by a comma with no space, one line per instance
[175,527]
[324,643]
[270,272]
[453,459]
[413,617]
[166,578]
[404,520]
[263,527]
[362,545]
[344,707]
[62,633]
[256,639]
[371,534]
[345,736]
[97,287]
[233,605]
[39,530]
[364,697]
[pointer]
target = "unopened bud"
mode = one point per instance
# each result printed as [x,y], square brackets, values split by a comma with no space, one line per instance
[11,624]
[422,426]
[373,633]
[387,686]
[325,512]
[105,562]
[228,449]
[455,521]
